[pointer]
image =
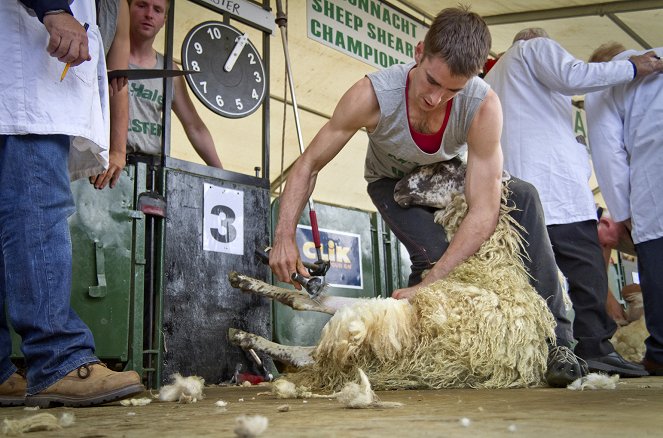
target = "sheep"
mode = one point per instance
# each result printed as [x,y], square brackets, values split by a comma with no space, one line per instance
[629,339]
[482,326]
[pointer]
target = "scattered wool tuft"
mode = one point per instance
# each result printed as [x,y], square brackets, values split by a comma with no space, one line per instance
[283,388]
[221,404]
[357,396]
[67,419]
[283,408]
[136,401]
[512,428]
[183,389]
[482,326]
[36,423]
[248,426]
[465,422]
[361,396]
[594,381]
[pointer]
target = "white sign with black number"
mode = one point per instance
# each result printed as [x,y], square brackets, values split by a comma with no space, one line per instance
[223,221]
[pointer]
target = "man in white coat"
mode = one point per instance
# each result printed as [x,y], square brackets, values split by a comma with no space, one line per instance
[626,142]
[49,120]
[535,79]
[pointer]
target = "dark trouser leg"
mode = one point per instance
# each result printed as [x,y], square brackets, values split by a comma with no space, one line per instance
[650,268]
[541,264]
[578,254]
[424,240]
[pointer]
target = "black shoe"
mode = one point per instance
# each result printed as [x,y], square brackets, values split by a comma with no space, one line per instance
[564,367]
[653,368]
[613,363]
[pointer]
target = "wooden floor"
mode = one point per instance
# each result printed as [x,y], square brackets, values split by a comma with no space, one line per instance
[633,409]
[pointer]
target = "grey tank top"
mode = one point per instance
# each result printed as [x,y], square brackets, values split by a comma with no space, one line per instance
[392,152]
[145,111]
[107,11]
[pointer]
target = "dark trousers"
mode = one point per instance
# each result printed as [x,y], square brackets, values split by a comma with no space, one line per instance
[579,257]
[426,241]
[650,269]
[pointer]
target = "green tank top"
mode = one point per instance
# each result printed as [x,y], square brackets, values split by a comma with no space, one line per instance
[145,113]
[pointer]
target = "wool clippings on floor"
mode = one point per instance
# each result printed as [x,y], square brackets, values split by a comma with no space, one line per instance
[353,395]
[35,423]
[183,389]
[594,381]
[249,426]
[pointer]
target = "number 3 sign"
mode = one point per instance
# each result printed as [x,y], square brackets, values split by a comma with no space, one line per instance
[223,220]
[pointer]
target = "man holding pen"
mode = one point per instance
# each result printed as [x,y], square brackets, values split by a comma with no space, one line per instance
[46,125]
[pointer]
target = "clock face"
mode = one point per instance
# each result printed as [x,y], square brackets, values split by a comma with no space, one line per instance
[231,79]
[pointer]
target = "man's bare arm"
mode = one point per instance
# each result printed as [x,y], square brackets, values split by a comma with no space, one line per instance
[357,108]
[117,59]
[195,128]
[118,54]
[482,193]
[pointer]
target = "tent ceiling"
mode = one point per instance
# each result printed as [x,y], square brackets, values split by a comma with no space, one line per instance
[577,25]
[321,75]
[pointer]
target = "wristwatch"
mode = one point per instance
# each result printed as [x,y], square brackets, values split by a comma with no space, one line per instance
[55,12]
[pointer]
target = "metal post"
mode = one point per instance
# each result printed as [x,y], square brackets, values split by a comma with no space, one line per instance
[281,21]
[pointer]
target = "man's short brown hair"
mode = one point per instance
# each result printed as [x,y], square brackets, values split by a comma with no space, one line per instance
[605,52]
[530,33]
[167,3]
[461,38]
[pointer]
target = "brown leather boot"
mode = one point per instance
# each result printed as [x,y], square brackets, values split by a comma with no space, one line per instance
[88,385]
[12,390]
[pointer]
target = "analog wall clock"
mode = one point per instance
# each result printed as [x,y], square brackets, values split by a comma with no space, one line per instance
[231,75]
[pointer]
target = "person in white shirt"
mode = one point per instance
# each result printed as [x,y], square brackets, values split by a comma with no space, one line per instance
[535,79]
[49,119]
[624,124]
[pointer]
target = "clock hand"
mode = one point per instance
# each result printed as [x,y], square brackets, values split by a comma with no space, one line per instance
[239,45]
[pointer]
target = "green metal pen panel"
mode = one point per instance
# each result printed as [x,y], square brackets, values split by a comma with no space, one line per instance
[102,234]
[393,258]
[348,241]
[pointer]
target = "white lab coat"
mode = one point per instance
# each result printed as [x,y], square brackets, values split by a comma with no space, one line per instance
[34,101]
[535,80]
[625,127]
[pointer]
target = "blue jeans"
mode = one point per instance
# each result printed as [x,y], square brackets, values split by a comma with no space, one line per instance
[35,261]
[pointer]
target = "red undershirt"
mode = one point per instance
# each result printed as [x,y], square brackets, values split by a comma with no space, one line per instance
[429,143]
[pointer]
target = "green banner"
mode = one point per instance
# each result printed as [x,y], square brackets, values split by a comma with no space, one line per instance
[368,30]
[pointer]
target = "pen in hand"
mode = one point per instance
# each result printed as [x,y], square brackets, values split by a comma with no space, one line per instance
[66,67]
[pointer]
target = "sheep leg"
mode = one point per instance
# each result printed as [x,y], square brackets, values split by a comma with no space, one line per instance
[291,355]
[290,297]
